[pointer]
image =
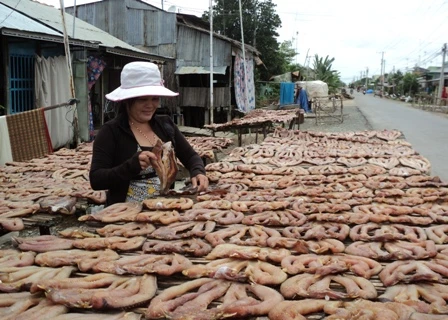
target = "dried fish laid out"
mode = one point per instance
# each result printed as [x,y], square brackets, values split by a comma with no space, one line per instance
[358,309]
[122,211]
[15,279]
[42,243]
[56,204]
[322,287]
[312,217]
[84,259]
[166,264]
[98,291]
[165,165]
[259,272]
[193,300]
[16,258]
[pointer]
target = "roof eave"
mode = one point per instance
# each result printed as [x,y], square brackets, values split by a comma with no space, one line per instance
[47,37]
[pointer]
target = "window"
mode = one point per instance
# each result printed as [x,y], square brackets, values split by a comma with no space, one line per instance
[21,75]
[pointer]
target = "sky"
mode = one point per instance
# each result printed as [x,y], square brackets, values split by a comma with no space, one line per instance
[357,34]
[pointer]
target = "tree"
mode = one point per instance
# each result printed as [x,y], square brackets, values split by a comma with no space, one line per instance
[396,79]
[410,84]
[286,54]
[323,71]
[260,22]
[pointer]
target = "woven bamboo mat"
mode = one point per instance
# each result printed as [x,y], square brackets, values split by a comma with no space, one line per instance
[28,134]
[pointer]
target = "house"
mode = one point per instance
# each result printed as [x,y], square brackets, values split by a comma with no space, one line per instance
[36,69]
[432,78]
[184,40]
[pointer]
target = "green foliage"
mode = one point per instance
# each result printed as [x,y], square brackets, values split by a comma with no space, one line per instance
[405,84]
[296,67]
[323,71]
[395,79]
[410,84]
[286,55]
[260,22]
[268,94]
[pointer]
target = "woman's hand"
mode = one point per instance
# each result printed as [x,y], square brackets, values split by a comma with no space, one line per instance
[200,181]
[145,157]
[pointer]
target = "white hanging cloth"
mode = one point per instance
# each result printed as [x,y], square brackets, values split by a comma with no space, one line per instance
[5,143]
[52,87]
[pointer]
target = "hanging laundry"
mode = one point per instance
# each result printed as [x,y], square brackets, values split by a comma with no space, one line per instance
[286,93]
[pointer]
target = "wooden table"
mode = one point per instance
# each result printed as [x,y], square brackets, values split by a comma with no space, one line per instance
[300,118]
[330,107]
[257,126]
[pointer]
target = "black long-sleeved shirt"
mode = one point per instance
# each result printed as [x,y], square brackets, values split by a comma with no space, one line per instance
[115,158]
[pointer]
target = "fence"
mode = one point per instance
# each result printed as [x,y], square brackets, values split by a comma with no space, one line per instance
[430,103]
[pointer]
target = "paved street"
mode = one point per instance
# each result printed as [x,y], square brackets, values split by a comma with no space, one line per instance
[427,131]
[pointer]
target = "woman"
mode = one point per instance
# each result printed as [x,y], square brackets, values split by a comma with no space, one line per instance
[301,99]
[122,148]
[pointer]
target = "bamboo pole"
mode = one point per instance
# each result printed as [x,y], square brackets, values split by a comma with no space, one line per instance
[69,65]
[244,56]
[212,107]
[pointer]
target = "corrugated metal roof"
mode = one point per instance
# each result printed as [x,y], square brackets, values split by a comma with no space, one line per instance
[200,70]
[142,26]
[51,17]
[197,23]
[193,49]
[12,19]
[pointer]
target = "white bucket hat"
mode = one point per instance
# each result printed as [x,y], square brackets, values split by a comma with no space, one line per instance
[140,79]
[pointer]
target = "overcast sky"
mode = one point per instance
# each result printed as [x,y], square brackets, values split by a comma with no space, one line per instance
[355,33]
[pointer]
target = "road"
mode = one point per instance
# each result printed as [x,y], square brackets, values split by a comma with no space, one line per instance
[426,131]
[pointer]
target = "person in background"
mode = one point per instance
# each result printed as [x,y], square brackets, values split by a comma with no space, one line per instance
[301,99]
[444,96]
[122,148]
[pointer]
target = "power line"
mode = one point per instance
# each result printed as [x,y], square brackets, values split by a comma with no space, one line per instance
[426,58]
[442,72]
[431,57]
[430,37]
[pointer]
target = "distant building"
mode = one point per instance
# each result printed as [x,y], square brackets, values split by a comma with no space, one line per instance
[429,79]
[184,41]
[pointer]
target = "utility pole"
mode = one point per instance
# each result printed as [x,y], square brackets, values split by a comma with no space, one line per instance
[382,74]
[306,57]
[162,4]
[394,84]
[297,47]
[367,76]
[442,73]
[305,64]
